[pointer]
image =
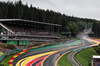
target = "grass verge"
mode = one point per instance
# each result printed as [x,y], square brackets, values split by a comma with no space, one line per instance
[63,61]
[85,56]
[5,61]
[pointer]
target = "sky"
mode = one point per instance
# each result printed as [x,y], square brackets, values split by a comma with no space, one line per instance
[77,8]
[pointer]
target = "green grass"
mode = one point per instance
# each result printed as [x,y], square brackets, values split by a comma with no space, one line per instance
[63,61]
[85,56]
[5,61]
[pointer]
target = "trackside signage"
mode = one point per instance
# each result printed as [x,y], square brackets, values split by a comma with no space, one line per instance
[24,42]
[11,42]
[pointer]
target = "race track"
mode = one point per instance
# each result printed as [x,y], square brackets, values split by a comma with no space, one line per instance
[39,54]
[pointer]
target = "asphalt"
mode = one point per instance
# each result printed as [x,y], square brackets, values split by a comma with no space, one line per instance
[31,53]
[51,60]
[85,42]
[70,56]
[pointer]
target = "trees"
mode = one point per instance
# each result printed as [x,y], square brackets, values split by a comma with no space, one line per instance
[31,13]
[96,29]
[72,27]
[18,9]
[25,14]
[3,10]
[97,49]
[10,10]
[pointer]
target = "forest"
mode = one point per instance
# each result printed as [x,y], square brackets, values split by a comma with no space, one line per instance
[18,10]
[96,29]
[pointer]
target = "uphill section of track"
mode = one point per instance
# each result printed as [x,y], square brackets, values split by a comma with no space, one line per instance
[88,43]
[51,60]
[45,49]
[71,59]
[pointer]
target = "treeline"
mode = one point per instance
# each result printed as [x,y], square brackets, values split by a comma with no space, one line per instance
[17,10]
[97,49]
[96,29]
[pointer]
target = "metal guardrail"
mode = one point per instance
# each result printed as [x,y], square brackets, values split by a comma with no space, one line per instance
[76,59]
[2,57]
[10,52]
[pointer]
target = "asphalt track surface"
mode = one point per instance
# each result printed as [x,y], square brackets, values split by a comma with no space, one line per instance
[84,38]
[35,52]
[70,56]
[51,60]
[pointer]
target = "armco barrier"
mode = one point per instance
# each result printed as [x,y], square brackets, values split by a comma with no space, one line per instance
[13,51]
[2,57]
[20,50]
[10,52]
